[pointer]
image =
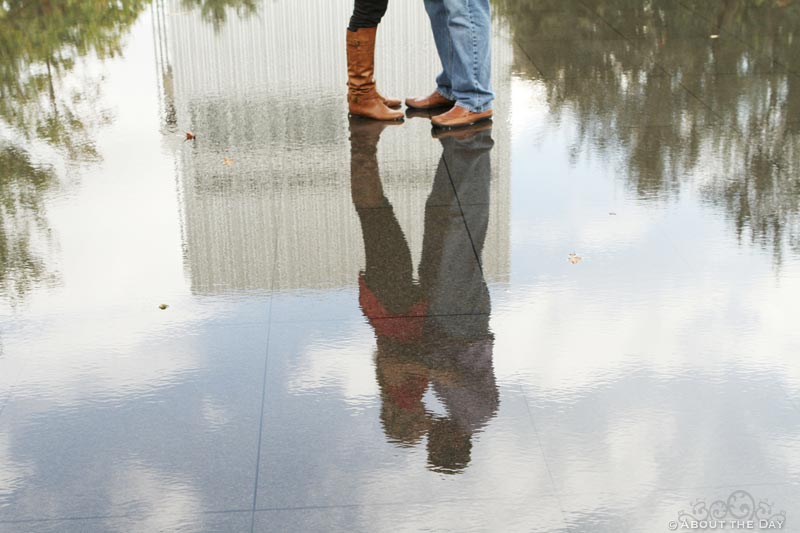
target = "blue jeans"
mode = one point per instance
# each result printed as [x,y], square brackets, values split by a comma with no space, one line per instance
[462,32]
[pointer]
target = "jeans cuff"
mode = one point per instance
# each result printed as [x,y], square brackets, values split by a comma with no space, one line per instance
[472,109]
[445,92]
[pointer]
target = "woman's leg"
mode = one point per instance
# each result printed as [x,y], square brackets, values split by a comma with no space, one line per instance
[367,14]
[363,96]
[389,272]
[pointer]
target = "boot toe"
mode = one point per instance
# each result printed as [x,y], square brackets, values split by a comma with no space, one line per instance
[392,102]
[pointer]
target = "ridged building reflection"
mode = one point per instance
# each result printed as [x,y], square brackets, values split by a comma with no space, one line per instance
[266,90]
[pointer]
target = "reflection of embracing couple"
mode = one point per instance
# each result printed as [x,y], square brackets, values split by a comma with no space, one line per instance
[461,30]
[432,332]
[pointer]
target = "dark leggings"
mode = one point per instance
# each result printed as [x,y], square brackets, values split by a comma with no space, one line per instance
[367,13]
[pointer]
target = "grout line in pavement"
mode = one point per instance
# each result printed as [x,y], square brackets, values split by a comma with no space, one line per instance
[678,490]
[463,216]
[597,15]
[264,380]
[384,504]
[10,392]
[530,60]
[544,455]
[349,318]
[108,517]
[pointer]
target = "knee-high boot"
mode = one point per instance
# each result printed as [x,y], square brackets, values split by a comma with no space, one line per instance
[362,95]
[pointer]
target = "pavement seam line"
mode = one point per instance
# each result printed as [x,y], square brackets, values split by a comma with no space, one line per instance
[264,381]
[544,456]
[463,216]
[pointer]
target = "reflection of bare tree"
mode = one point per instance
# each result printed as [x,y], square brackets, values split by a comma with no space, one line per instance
[646,85]
[216,11]
[43,105]
[22,186]
[42,42]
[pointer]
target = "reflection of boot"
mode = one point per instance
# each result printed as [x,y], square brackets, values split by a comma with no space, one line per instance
[386,286]
[362,96]
[366,132]
[365,182]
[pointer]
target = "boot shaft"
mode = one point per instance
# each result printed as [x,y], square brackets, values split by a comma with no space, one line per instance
[361,62]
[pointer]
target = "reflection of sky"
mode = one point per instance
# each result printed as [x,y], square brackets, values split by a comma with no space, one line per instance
[77,353]
[667,276]
[117,230]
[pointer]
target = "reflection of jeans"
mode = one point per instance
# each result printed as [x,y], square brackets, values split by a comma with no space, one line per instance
[449,271]
[462,31]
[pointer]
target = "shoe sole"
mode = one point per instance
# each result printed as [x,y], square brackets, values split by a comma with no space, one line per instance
[437,106]
[365,117]
[466,131]
[457,126]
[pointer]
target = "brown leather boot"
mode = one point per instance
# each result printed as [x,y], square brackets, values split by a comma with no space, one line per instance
[363,97]
[394,103]
[390,102]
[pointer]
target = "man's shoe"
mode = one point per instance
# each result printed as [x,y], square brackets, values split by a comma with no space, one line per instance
[458,117]
[429,102]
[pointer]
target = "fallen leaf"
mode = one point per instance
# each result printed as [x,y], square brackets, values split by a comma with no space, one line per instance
[574,258]
[163,306]
[190,136]
[227,161]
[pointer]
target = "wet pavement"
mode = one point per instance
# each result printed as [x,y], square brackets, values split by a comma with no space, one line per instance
[575,318]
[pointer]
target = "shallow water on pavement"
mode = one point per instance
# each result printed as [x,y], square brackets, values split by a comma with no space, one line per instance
[577,317]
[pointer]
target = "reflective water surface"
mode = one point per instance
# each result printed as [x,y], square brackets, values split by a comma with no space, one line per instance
[376,327]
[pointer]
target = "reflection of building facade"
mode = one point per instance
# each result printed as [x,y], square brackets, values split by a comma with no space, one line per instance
[267,90]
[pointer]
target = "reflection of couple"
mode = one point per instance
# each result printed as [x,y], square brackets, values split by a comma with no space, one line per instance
[461,31]
[420,343]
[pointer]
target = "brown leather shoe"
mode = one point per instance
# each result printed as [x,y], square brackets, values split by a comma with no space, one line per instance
[458,117]
[363,98]
[429,102]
